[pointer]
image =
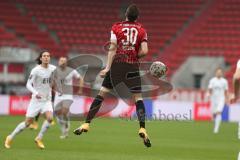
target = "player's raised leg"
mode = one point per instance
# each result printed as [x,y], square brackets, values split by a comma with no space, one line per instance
[94,108]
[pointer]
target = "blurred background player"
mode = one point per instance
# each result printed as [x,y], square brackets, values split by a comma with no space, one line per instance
[236,87]
[65,76]
[131,40]
[218,90]
[40,84]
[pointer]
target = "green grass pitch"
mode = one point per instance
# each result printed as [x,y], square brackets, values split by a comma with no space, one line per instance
[117,139]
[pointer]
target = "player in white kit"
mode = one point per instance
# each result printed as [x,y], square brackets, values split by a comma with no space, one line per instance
[40,84]
[236,87]
[64,76]
[218,90]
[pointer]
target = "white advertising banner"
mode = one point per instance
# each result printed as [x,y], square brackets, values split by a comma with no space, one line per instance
[172,110]
[78,105]
[234,112]
[4,105]
[110,108]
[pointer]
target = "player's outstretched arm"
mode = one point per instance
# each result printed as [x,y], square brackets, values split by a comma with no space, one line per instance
[143,50]
[111,54]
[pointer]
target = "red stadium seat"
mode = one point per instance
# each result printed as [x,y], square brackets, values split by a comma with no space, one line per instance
[86,25]
[93,17]
[219,35]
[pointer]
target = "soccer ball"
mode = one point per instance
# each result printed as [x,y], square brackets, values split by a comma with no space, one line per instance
[158,69]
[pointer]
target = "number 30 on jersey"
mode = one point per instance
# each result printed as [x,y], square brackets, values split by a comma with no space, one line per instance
[131,36]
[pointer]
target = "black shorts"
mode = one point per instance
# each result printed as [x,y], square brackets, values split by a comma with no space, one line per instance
[123,74]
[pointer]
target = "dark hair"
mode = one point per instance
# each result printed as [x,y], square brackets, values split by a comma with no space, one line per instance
[39,57]
[132,12]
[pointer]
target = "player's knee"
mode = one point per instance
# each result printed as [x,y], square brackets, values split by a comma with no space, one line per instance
[137,97]
[103,91]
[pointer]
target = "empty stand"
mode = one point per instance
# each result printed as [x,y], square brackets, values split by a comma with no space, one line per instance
[218,35]
[23,26]
[85,25]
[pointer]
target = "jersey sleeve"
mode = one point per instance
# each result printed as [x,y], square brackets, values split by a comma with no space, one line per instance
[238,64]
[30,81]
[144,35]
[113,37]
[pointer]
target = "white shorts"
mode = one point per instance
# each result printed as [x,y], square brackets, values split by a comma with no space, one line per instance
[63,101]
[35,107]
[217,106]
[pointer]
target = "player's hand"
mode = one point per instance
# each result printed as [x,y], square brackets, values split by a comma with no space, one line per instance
[103,72]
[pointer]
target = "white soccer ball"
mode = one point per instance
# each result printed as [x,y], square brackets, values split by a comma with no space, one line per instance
[158,69]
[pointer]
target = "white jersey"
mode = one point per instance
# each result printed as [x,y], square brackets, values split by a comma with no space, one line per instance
[40,81]
[218,87]
[65,78]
